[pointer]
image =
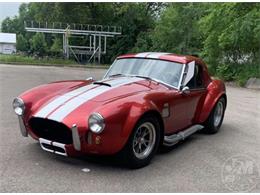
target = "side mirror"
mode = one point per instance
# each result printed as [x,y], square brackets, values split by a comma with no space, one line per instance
[185,90]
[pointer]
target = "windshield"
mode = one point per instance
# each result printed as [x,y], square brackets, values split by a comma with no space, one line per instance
[164,71]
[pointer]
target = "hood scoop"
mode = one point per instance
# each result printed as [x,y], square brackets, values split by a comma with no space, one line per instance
[102,83]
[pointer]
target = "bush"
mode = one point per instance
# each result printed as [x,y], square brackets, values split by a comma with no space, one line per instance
[226,72]
[238,72]
[247,71]
[22,43]
[38,44]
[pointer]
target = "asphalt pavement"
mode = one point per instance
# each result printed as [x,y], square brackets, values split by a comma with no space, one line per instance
[225,162]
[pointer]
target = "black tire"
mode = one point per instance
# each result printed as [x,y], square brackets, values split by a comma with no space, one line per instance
[129,156]
[210,126]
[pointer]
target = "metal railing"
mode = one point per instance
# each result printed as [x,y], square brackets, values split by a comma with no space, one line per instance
[96,34]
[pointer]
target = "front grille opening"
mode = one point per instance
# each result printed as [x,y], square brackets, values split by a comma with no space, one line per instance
[50,147]
[55,148]
[51,130]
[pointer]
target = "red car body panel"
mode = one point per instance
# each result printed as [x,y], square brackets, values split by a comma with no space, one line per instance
[122,106]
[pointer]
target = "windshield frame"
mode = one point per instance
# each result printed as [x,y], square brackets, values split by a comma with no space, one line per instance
[154,79]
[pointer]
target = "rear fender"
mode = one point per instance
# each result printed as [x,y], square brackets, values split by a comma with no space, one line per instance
[216,89]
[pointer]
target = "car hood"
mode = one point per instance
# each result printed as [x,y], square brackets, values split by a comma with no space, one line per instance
[65,103]
[111,89]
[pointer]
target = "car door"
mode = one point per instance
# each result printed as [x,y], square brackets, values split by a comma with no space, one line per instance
[185,106]
[197,93]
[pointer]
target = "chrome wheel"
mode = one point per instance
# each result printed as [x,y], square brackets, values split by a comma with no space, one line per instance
[144,140]
[218,114]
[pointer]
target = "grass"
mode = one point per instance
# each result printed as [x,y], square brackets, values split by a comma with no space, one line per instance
[29,60]
[14,58]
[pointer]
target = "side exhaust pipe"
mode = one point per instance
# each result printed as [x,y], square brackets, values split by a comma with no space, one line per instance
[175,138]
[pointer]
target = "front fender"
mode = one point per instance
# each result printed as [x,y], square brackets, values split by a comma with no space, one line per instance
[120,122]
[215,90]
[135,113]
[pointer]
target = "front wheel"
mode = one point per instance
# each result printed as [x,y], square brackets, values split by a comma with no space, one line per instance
[216,116]
[143,142]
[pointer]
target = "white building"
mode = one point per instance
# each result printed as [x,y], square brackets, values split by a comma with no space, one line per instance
[7,43]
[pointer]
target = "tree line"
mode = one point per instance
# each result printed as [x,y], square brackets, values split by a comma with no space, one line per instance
[225,35]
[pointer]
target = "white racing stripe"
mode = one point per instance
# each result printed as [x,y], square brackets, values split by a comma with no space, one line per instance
[142,55]
[68,107]
[60,100]
[154,55]
[63,111]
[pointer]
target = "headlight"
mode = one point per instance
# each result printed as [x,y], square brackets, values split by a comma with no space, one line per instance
[96,123]
[18,106]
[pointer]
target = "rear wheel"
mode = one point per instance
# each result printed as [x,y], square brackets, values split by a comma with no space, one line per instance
[143,142]
[216,116]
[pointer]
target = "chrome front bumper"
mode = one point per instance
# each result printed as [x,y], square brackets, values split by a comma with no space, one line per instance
[50,146]
[59,148]
[53,147]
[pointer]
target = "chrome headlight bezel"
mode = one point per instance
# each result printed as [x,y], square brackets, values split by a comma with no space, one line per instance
[96,123]
[18,106]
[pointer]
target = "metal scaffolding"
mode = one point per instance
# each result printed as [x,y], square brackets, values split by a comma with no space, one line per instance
[95,34]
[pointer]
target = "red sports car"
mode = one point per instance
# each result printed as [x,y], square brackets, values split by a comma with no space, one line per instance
[144,100]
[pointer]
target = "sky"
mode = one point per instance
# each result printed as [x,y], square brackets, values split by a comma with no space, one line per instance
[8,9]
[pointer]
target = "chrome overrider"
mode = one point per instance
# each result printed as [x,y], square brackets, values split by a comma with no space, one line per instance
[75,137]
[23,129]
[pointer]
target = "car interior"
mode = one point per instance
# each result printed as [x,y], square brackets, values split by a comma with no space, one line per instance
[197,80]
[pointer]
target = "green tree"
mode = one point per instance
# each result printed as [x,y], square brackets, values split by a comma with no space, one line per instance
[231,34]
[56,47]
[226,35]
[134,18]
[10,25]
[22,44]
[143,42]
[177,29]
[38,44]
